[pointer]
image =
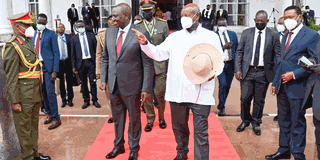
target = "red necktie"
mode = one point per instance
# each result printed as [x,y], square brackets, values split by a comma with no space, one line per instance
[38,42]
[119,43]
[288,42]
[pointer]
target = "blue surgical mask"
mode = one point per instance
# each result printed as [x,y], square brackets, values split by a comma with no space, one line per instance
[41,27]
[81,30]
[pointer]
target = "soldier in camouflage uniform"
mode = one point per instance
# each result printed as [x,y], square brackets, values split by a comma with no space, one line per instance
[159,31]
[23,72]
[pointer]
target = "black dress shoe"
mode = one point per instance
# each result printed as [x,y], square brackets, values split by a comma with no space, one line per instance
[256,129]
[70,103]
[222,112]
[96,104]
[275,118]
[278,155]
[85,105]
[181,156]
[110,120]
[41,157]
[163,124]
[148,127]
[115,152]
[242,126]
[133,156]
[63,104]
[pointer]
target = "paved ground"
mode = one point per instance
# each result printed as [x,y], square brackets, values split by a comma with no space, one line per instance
[72,140]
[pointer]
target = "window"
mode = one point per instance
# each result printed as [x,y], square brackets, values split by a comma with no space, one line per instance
[105,8]
[34,7]
[238,11]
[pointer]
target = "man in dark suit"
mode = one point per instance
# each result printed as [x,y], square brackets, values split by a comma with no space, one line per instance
[207,18]
[222,13]
[72,16]
[129,73]
[46,44]
[229,43]
[83,59]
[308,15]
[95,18]
[86,14]
[64,43]
[290,83]
[311,99]
[254,67]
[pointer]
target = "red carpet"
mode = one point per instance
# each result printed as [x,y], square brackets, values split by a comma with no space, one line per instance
[159,144]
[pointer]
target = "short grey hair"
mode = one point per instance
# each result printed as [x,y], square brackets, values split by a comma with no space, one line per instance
[263,13]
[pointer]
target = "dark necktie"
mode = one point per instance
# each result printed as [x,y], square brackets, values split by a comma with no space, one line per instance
[288,42]
[207,14]
[85,47]
[226,41]
[257,52]
[119,44]
[38,42]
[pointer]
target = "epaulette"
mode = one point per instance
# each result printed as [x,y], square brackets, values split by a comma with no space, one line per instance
[13,38]
[163,20]
[139,22]
[101,31]
[19,40]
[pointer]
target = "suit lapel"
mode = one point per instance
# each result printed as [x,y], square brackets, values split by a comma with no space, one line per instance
[297,39]
[267,39]
[129,36]
[113,32]
[251,41]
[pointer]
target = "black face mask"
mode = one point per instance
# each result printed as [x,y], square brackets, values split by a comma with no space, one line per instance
[261,26]
[147,15]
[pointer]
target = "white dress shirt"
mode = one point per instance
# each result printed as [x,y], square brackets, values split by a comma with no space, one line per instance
[35,44]
[125,33]
[179,88]
[280,37]
[60,41]
[82,47]
[263,41]
[225,54]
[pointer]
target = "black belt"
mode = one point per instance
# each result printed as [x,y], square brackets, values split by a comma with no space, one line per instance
[230,61]
[90,59]
[257,67]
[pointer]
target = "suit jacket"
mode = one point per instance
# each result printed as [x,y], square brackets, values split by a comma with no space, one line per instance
[234,39]
[204,17]
[304,44]
[68,38]
[76,50]
[161,32]
[49,49]
[70,15]
[132,70]
[224,15]
[84,12]
[245,52]
[95,13]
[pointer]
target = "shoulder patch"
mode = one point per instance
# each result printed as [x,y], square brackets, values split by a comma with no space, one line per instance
[163,20]
[102,31]
[19,40]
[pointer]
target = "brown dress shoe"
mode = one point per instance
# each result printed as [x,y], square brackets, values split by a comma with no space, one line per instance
[49,119]
[55,124]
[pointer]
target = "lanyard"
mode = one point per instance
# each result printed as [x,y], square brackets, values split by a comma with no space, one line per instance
[150,32]
[63,39]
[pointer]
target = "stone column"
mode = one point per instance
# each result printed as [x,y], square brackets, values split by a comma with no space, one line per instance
[45,7]
[5,27]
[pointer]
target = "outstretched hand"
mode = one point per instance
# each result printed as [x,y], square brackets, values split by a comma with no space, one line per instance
[140,37]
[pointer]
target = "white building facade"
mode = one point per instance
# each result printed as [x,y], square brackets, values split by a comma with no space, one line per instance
[241,12]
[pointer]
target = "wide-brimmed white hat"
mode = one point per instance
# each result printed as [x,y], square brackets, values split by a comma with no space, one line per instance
[202,62]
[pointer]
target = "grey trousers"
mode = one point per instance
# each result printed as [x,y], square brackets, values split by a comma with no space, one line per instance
[120,104]
[180,118]
[10,146]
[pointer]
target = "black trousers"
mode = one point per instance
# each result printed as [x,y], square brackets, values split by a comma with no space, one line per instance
[72,24]
[316,114]
[255,86]
[65,69]
[120,104]
[88,69]
[180,117]
[96,26]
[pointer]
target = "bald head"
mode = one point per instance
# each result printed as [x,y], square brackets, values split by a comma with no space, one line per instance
[61,29]
[125,8]
[121,14]
[192,8]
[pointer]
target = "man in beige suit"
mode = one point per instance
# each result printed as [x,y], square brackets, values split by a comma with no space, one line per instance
[101,38]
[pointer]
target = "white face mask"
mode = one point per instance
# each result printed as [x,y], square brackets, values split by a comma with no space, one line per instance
[291,23]
[41,27]
[29,32]
[308,10]
[81,30]
[222,28]
[187,22]
[280,28]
